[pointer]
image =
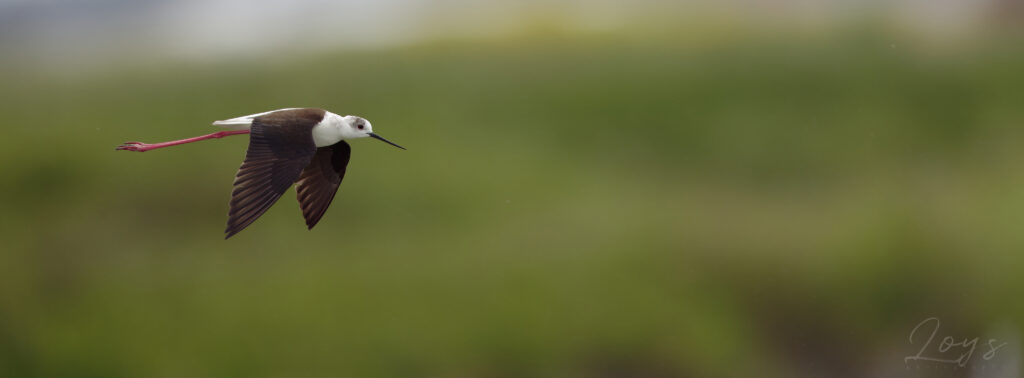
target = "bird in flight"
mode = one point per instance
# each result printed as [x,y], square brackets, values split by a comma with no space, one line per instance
[304,146]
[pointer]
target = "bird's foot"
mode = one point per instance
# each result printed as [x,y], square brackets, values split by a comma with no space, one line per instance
[135,146]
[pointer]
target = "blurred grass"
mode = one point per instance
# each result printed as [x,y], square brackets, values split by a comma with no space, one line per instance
[567,207]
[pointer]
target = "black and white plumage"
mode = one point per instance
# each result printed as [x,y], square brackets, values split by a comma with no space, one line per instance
[301,146]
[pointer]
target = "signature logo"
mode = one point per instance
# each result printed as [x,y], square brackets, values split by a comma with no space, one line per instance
[945,350]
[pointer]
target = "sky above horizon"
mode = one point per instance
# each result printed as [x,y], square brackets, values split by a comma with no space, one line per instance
[54,31]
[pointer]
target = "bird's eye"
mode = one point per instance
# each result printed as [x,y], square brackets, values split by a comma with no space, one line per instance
[360,126]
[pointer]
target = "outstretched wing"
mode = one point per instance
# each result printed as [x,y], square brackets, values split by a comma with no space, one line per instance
[319,182]
[280,146]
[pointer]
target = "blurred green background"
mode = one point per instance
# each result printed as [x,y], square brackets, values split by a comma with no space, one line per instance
[687,193]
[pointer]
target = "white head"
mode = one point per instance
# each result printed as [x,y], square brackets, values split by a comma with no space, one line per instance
[353,127]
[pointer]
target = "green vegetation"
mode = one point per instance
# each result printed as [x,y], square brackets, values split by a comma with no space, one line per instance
[567,208]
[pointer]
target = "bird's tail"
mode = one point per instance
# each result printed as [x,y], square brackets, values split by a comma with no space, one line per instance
[243,122]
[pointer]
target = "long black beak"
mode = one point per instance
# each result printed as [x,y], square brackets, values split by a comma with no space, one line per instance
[375,136]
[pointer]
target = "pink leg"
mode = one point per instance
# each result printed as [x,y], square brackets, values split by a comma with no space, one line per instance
[143,147]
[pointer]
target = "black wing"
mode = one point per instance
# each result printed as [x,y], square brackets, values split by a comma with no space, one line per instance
[319,182]
[280,146]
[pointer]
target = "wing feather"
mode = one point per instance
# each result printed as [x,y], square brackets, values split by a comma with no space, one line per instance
[280,146]
[320,180]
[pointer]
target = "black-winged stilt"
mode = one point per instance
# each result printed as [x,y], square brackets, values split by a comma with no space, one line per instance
[304,146]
